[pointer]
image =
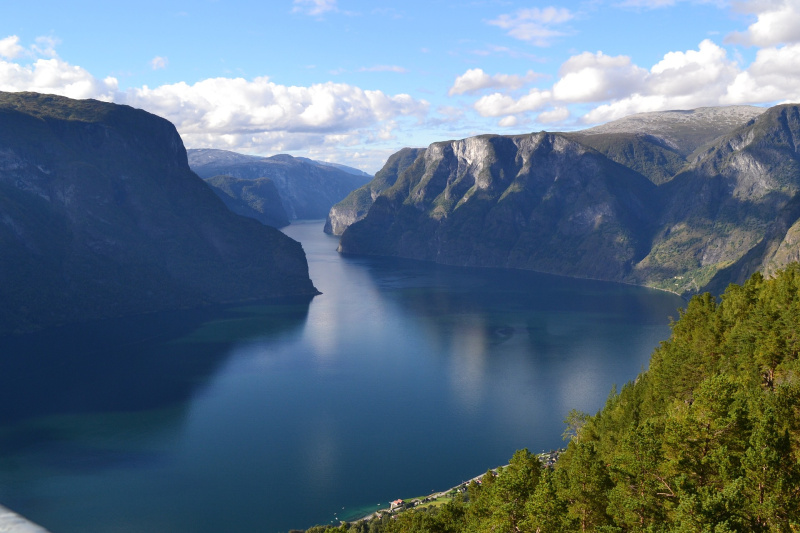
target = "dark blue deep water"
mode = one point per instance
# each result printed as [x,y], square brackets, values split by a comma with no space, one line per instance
[400,379]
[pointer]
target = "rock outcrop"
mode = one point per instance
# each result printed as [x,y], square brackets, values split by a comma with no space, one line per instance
[101,216]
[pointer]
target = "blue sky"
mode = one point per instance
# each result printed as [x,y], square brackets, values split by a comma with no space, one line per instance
[352,81]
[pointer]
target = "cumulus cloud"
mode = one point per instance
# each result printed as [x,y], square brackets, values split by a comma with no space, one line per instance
[498,104]
[680,80]
[236,105]
[474,80]
[534,25]
[54,76]
[778,22]
[591,77]
[773,76]
[158,63]
[10,47]
[314,7]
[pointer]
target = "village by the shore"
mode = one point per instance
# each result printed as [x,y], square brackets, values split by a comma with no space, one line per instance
[548,459]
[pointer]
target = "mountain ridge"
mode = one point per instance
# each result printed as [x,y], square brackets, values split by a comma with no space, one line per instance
[307,188]
[689,229]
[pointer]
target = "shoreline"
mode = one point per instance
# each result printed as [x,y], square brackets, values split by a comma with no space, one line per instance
[548,459]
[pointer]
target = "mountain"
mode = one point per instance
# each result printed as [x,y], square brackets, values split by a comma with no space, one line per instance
[683,131]
[539,202]
[101,216]
[308,189]
[652,200]
[258,199]
[356,204]
[344,168]
[656,145]
[727,213]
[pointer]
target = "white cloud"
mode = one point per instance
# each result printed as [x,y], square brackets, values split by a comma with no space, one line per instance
[314,7]
[54,76]
[476,79]
[773,76]
[592,77]
[10,48]
[681,80]
[534,25]
[558,114]
[705,70]
[235,105]
[508,122]
[159,62]
[778,22]
[616,87]
[497,104]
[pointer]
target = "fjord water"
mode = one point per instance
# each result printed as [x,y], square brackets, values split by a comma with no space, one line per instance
[400,379]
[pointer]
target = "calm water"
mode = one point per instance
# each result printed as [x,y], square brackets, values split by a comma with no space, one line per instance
[398,380]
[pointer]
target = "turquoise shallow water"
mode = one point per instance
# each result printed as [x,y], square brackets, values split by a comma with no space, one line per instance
[400,379]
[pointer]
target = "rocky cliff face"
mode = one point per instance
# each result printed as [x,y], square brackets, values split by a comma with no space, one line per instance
[307,188]
[356,204]
[101,216]
[540,202]
[599,207]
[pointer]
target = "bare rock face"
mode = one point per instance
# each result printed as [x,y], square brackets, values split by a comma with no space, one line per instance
[100,216]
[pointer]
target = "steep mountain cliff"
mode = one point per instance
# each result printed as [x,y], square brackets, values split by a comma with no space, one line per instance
[540,202]
[307,188]
[673,210]
[101,216]
[357,203]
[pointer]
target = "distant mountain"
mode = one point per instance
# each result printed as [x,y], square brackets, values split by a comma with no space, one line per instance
[669,208]
[101,216]
[308,189]
[345,168]
[258,199]
[682,131]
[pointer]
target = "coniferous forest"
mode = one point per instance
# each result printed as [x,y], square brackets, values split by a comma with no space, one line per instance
[706,440]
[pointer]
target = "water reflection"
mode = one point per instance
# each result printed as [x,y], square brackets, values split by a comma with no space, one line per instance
[399,379]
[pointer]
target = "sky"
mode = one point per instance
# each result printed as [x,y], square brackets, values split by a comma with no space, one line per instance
[351,81]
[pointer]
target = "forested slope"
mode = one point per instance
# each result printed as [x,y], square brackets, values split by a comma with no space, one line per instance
[708,439]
